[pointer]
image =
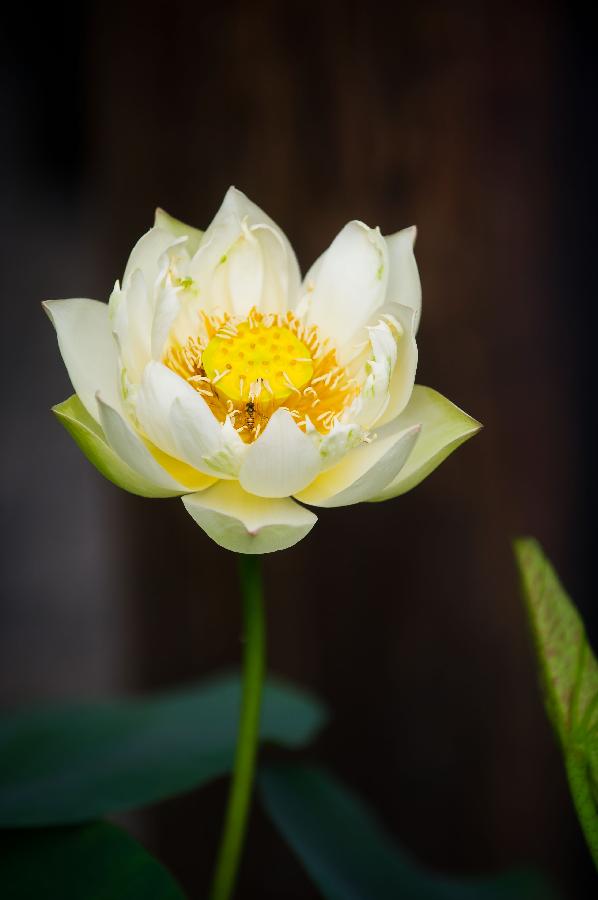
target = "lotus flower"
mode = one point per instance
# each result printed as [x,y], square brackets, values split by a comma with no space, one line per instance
[214,373]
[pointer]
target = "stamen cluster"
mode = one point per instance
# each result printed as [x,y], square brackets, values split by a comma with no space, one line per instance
[247,368]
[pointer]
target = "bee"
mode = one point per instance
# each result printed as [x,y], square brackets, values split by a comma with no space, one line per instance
[250,414]
[254,418]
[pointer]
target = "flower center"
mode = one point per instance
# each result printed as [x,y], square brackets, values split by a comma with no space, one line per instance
[255,362]
[246,369]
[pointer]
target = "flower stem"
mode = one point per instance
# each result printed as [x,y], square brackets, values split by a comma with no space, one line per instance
[254,664]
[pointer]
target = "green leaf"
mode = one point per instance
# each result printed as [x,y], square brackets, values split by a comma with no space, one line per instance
[90,862]
[350,857]
[74,763]
[89,437]
[569,678]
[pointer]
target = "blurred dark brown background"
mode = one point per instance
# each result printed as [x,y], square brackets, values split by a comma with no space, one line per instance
[473,121]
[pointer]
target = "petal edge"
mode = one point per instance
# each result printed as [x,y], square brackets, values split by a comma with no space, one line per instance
[363,473]
[90,439]
[244,523]
[444,428]
[282,461]
[88,348]
[166,222]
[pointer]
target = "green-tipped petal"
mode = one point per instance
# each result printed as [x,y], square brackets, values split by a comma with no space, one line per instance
[363,472]
[168,223]
[244,523]
[89,437]
[158,467]
[444,427]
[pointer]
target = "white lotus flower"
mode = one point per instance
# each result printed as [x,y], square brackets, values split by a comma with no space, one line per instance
[216,374]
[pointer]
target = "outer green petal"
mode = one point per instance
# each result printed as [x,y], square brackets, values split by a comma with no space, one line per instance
[90,438]
[168,223]
[245,523]
[363,472]
[444,428]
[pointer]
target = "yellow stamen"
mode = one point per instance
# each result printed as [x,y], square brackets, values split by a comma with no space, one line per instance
[246,369]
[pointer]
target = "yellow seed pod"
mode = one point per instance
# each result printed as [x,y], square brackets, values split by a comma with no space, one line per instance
[259,362]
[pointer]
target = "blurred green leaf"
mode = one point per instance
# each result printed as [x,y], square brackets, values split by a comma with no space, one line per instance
[89,862]
[74,763]
[350,857]
[569,676]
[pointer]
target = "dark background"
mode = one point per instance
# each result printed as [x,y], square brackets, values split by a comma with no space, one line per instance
[474,121]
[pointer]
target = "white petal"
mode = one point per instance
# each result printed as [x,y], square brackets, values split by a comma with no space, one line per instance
[334,445]
[179,229]
[146,255]
[348,283]
[129,446]
[245,260]
[281,282]
[282,461]
[244,270]
[167,308]
[378,370]
[363,473]
[403,375]
[443,428]
[281,278]
[244,523]
[219,237]
[131,310]
[159,388]
[178,421]
[404,285]
[88,349]
[202,441]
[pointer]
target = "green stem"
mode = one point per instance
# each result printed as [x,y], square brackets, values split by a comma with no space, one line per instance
[254,664]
